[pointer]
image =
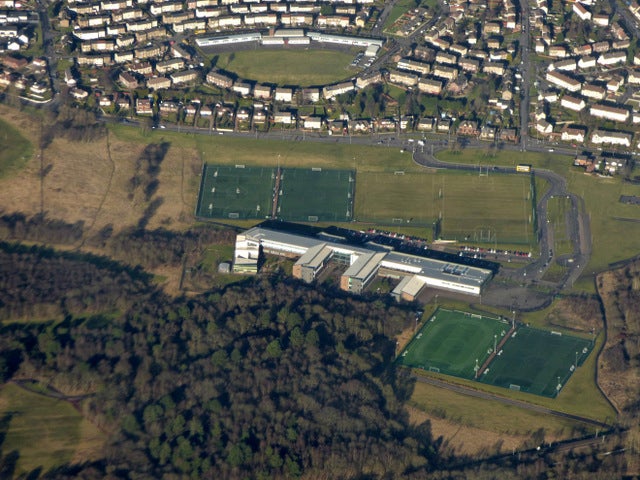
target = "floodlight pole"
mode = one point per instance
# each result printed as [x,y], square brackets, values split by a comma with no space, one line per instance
[495,343]
[576,360]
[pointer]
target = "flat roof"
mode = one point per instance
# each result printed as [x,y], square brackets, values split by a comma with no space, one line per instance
[370,258]
[438,269]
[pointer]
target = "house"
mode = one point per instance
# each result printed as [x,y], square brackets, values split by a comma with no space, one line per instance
[414,66]
[544,127]
[446,58]
[615,82]
[494,68]
[572,103]
[191,110]
[170,65]
[185,76]
[471,65]
[143,106]
[587,61]
[430,86]
[593,91]
[468,128]
[284,94]
[568,65]
[609,113]
[488,133]
[262,92]
[601,20]
[219,80]
[311,95]
[286,118]
[612,58]
[582,13]
[78,93]
[573,134]
[158,83]
[168,108]
[367,79]
[509,135]
[425,124]
[243,114]
[442,71]
[259,116]
[613,138]
[127,80]
[558,51]
[242,88]
[403,78]
[313,123]
[444,125]
[563,81]
[332,91]
[141,68]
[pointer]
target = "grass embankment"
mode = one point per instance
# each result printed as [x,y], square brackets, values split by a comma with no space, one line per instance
[15,150]
[288,67]
[45,432]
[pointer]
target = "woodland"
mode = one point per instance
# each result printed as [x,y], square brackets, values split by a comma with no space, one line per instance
[266,378]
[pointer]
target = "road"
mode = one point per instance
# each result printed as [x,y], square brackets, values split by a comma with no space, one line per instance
[578,224]
[507,401]
[526,74]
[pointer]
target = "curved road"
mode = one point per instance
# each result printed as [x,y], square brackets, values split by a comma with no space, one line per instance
[577,222]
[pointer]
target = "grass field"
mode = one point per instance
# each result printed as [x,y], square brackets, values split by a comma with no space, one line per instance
[453,343]
[288,67]
[503,214]
[15,150]
[316,195]
[45,432]
[537,361]
[557,210]
[232,192]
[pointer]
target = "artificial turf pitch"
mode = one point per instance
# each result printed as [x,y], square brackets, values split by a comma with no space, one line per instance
[537,361]
[531,360]
[236,192]
[314,194]
[450,342]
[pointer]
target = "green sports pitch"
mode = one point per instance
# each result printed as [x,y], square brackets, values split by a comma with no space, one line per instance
[537,361]
[235,192]
[454,343]
[316,194]
[489,208]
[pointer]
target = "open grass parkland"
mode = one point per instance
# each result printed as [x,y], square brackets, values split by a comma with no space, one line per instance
[495,351]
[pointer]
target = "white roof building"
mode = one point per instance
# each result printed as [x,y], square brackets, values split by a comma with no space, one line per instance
[609,113]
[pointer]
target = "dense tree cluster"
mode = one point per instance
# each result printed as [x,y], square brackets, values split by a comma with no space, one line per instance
[265,379]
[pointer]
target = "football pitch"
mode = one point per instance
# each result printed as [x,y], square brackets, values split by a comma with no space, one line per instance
[537,361]
[306,195]
[235,192]
[316,194]
[488,208]
[454,343]
[530,360]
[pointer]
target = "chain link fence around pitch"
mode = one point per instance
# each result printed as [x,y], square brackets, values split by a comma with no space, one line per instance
[316,195]
[236,192]
[454,343]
